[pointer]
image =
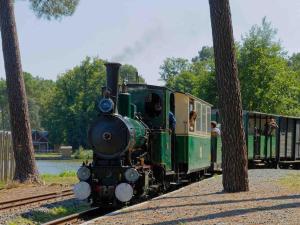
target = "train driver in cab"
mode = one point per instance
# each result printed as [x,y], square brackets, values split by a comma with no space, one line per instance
[215,132]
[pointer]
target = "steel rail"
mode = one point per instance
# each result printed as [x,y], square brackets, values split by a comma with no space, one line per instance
[34,199]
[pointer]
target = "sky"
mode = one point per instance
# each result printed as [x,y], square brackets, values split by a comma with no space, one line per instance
[139,32]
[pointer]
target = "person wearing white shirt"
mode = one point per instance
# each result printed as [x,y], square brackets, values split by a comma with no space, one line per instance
[215,132]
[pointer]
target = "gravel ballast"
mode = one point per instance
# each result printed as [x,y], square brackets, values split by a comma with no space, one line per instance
[268,202]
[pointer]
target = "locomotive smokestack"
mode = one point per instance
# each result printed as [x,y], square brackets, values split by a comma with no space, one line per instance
[112,81]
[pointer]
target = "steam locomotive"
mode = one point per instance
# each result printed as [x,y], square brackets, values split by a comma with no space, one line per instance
[146,139]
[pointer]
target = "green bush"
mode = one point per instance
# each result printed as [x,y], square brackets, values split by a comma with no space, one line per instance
[83,154]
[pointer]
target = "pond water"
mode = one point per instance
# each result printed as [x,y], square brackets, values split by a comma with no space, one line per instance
[57,166]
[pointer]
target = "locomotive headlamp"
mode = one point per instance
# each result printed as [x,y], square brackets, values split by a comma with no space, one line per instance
[106,105]
[83,173]
[131,175]
[124,192]
[82,190]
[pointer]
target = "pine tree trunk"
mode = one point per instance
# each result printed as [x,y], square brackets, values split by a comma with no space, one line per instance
[20,126]
[234,154]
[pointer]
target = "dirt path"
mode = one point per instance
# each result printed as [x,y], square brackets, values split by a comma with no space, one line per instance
[27,190]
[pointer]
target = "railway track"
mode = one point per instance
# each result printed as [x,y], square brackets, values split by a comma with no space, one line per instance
[78,218]
[34,199]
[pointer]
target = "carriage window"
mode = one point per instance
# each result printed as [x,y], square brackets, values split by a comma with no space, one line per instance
[204,122]
[290,132]
[282,146]
[208,119]
[153,105]
[297,144]
[198,122]
[192,115]
[264,125]
[251,126]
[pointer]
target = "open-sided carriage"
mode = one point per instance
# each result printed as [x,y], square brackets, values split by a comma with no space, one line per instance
[273,145]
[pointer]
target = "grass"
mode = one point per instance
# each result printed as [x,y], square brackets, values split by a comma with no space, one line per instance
[48,155]
[39,217]
[2,185]
[66,177]
[19,220]
[291,181]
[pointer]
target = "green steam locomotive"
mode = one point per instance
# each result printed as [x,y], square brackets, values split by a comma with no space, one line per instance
[148,138]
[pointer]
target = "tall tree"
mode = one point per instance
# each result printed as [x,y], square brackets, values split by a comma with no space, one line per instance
[183,82]
[172,67]
[20,126]
[268,84]
[205,53]
[234,155]
[18,106]
[69,109]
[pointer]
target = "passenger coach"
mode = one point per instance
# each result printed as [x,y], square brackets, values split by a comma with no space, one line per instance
[275,146]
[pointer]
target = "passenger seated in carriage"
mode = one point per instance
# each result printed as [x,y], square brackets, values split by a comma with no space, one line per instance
[270,126]
[192,119]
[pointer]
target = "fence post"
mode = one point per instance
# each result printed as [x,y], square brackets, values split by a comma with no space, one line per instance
[7,162]
[1,155]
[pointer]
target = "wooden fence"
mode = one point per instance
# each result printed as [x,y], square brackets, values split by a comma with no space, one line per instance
[7,162]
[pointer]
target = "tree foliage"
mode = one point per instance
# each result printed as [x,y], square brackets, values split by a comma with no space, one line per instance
[172,67]
[70,106]
[206,53]
[183,82]
[270,80]
[37,90]
[56,9]
[128,74]
[66,107]
[294,63]
[268,83]
[4,111]
[197,78]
